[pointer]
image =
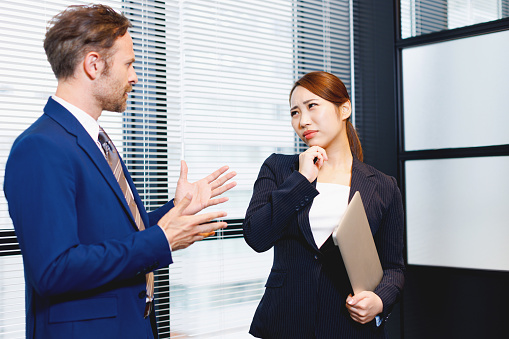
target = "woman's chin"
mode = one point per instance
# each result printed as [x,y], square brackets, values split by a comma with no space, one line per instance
[312,143]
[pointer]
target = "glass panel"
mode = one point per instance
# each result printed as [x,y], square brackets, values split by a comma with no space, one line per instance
[455,93]
[427,16]
[212,288]
[12,300]
[457,213]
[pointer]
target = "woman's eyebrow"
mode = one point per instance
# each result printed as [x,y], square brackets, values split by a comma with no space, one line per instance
[305,103]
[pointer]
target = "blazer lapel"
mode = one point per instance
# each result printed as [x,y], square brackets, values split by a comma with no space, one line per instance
[362,181]
[65,118]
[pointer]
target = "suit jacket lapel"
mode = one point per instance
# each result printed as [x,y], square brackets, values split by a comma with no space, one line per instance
[65,118]
[362,182]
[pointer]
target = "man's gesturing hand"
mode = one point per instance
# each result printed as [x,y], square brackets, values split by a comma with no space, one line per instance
[183,230]
[203,190]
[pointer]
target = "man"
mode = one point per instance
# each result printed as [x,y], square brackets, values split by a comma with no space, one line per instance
[88,244]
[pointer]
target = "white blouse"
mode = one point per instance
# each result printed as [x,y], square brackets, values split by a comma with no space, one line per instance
[327,210]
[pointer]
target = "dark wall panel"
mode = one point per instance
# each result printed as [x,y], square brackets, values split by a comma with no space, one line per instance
[452,303]
[375,108]
[375,92]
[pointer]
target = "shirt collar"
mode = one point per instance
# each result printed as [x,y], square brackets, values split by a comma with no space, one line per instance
[88,123]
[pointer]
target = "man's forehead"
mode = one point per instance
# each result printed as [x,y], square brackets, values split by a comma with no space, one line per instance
[124,46]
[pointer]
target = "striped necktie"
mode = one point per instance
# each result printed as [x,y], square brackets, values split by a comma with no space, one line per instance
[115,164]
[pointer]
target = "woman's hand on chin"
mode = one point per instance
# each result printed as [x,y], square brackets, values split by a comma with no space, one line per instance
[311,161]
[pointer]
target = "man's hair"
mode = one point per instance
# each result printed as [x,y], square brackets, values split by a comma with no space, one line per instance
[78,30]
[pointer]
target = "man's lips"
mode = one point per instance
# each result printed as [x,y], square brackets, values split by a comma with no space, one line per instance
[128,90]
[309,134]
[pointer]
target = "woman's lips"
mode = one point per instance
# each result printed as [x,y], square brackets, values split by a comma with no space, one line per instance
[309,134]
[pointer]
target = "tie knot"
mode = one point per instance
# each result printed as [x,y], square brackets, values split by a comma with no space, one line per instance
[105,140]
[103,137]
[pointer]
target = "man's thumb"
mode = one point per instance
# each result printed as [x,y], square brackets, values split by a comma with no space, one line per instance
[182,205]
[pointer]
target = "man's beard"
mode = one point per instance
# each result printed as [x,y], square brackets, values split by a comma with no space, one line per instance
[114,101]
[109,94]
[115,104]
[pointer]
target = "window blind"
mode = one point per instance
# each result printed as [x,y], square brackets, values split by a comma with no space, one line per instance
[214,79]
[422,17]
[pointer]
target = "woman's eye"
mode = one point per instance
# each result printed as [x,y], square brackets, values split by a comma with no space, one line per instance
[292,113]
[311,105]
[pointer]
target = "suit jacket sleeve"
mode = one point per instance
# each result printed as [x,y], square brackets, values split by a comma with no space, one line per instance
[41,186]
[389,241]
[272,205]
[157,214]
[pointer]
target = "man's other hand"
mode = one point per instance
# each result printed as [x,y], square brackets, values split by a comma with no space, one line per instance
[183,230]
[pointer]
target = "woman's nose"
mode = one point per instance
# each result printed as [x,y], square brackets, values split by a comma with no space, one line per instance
[305,119]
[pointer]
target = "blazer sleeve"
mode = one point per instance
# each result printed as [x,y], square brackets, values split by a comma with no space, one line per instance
[40,186]
[273,204]
[389,241]
[157,214]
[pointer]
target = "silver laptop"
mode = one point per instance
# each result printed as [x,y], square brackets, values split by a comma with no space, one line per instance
[355,241]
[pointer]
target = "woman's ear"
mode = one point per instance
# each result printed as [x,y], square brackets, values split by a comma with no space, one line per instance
[345,110]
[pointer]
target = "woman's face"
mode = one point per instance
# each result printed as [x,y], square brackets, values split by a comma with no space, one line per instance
[316,121]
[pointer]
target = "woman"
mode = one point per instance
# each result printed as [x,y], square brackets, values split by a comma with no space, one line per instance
[297,202]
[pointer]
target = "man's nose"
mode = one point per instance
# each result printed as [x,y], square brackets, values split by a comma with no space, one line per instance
[133,78]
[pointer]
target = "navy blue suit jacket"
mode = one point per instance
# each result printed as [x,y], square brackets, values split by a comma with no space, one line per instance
[84,259]
[307,287]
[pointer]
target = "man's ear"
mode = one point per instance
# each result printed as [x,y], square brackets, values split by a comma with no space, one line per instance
[345,110]
[93,65]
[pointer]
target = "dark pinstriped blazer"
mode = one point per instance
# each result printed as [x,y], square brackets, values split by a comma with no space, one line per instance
[307,287]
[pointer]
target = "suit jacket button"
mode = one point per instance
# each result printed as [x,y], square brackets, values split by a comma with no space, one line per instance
[297,208]
[316,257]
[142,294]
[302,203]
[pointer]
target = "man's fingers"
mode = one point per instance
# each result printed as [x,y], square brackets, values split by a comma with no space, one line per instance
[207,217]
[211,227]
[183,170]
[222,189]
[220,181]
[182,205]
[214,175]
[217,201]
